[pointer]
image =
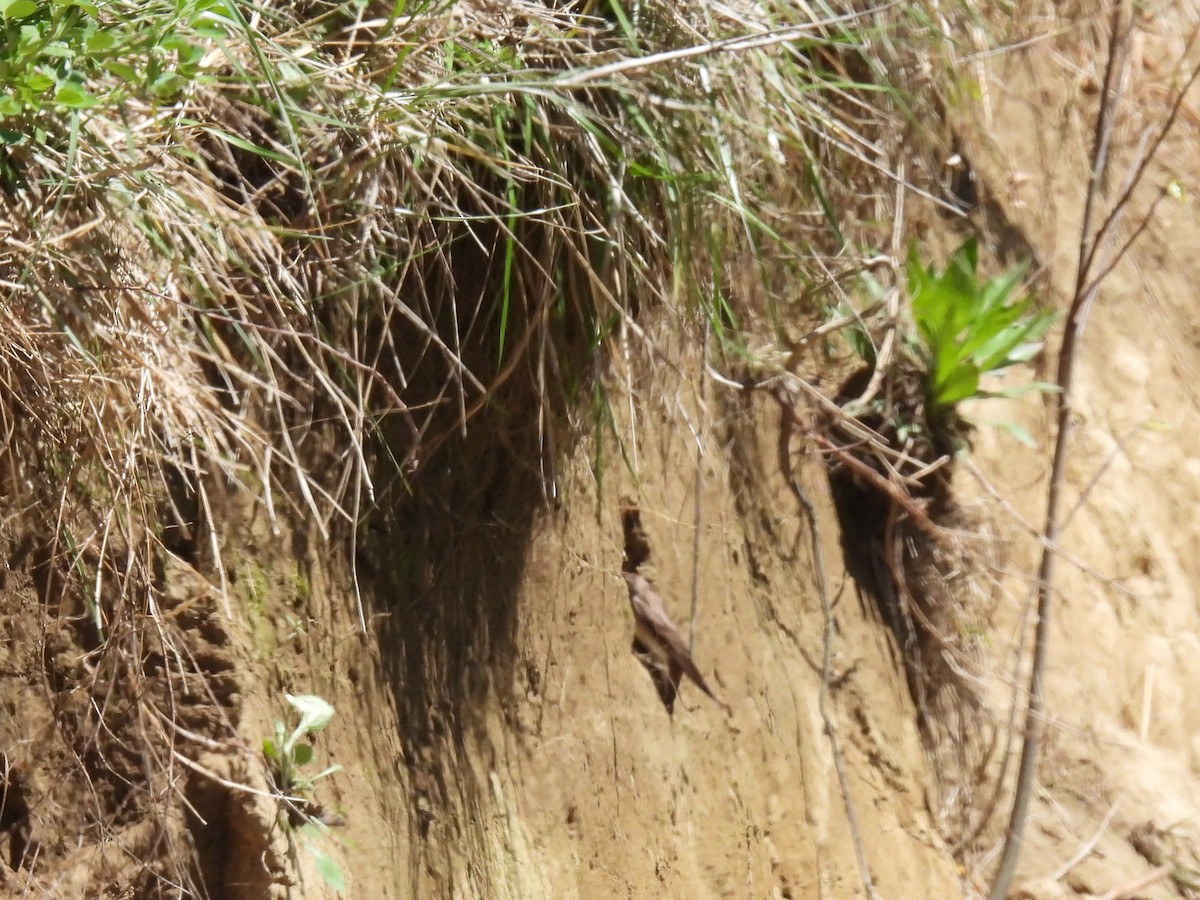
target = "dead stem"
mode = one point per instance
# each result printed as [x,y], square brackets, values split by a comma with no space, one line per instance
[1090,275]
[827,714]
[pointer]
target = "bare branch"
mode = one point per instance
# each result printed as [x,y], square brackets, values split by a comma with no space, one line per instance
[1087,285]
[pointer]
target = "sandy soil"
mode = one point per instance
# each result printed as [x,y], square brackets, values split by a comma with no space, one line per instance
[1121,760]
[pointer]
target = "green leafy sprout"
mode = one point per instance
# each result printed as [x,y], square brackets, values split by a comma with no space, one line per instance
[967,329]
[287,753]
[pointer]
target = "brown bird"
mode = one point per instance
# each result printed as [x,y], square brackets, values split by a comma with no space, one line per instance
[657,642]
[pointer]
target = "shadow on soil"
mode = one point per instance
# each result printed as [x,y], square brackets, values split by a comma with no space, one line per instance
[442,556]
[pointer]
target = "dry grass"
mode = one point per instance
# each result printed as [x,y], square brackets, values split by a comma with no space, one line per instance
[355,222]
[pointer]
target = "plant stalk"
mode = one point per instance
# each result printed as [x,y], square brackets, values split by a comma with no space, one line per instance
[1084,295]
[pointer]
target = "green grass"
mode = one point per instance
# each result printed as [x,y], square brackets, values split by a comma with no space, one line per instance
[237,244]
[297,194]
[240,241]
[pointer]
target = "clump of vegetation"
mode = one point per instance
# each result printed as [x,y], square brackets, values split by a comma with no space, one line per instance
[892,463]
[962,331]
[287,755]
[64,57]
[966,330]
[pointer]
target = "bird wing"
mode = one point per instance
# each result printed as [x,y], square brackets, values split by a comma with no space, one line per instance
[648,606]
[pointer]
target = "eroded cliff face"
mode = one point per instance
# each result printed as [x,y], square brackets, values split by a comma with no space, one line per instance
[1119,786]
[498,738]
[580,784]
[557,772]
[627,800]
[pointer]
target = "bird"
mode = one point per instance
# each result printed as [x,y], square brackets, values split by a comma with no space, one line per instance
[657,642]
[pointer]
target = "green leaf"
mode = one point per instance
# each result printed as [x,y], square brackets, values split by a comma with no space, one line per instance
[166,84]
[292,75]
[38,82]
[995,351]
[176,42]
[1010,347]
[985,327]
[1020,390]
[10,106]
[1024,352]
[303,754]
[17,9]
[243,144]
[326,772]
[960,273]
[123,71]
[58,50]
[960,383]
[74,97]
[860,342]
[997,291]
[315,712]
[101,42]
[28,39]
[1016,431]
[191,54]
[329,870]
[269,749]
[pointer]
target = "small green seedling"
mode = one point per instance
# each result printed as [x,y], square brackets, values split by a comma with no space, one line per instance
[287,753]
[967,329]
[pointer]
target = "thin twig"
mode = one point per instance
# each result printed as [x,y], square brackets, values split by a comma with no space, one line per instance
[788,422]
[741,42]
[1116,453]
[1134,888]
[231,785]
[1087,284]
[913,507]
[1107,112]
[1087,848]
[845,421]
[1108,581]
[698,510]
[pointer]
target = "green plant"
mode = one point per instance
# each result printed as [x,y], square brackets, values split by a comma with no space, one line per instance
[967,329]
[287,753]
[70,55]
